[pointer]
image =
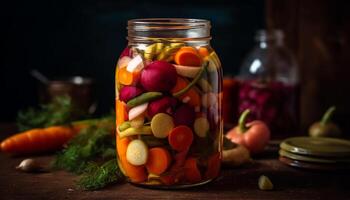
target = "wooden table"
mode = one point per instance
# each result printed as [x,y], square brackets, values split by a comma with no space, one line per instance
[241,183]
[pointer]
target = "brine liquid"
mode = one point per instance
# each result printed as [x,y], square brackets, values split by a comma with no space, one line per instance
[275,103]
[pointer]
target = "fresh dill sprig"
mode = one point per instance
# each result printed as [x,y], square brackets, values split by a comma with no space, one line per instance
[96,177]
[90,144]
[58,112]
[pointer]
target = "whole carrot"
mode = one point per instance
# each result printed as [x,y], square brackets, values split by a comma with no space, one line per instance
[48,139]
[38,140]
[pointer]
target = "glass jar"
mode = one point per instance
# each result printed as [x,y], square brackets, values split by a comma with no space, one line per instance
[269,84]
[168,104]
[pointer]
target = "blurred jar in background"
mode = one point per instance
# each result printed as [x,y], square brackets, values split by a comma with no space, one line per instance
[230,100]
[269,84]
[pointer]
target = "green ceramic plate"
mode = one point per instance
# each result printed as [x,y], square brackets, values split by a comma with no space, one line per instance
[313,166]
[312,159]
[324,147]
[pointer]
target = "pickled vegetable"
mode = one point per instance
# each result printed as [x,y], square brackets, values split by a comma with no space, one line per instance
[137,153]
[161,125]
[201,126]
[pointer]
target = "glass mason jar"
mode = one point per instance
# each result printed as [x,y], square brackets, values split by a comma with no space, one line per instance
[168,104]
[269,84]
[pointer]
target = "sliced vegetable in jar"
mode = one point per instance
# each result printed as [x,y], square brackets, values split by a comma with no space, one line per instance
[145,130]
[121,112]
[137,153]
[191,96]
[201,126]
[192,173]
[136,174]
[180,138]
[213,168]
[137,111]
[188,56]
[158,161]
[161,125]
[127,78]
[187,71]
[135,65]
[137,122]
[144,98]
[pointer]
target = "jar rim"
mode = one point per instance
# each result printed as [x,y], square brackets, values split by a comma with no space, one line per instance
[169,28]
[171,23]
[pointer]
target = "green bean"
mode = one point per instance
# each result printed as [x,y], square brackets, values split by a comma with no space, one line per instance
[143,98]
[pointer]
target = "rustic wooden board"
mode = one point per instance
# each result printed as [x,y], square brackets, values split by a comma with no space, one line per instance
[290,183]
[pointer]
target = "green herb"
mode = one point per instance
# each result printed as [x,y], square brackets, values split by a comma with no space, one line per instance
[58,112]
[91,143]
[95,176]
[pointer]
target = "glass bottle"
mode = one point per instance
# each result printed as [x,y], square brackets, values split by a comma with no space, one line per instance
[269,84]
[168,104]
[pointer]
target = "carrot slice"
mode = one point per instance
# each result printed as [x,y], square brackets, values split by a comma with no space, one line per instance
[180,138]
[176,172]
[188,56]
[121,111]
[203,52]
[127,78]
[213,169]
[158,160]
[136,174]
[191,97]
[192,173]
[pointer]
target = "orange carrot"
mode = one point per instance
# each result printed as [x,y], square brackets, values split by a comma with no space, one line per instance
[192,173]
[176,173]
[38,140]
[121,111]
[203,52]
[127,78]
[136,174]
[213,168]
[192,95]
[158,160]
[180,138]
[188,56]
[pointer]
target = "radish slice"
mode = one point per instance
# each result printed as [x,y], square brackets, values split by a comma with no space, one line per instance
[136,64]
[138,110]
[123,62]
[161,125]
[187,71]
[137,153]
[201,126]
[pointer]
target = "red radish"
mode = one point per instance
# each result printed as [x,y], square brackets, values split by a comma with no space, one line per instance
[158,76]
[126,52]
[163,105]
[129,92]
[136,64]
[184,115]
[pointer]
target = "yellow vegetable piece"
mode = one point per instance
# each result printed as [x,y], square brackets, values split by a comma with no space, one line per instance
[201,126]
[137,153]
[137,122]
[161,125]
[145,130]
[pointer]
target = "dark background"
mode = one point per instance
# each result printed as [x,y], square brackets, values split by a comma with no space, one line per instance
[64,38]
